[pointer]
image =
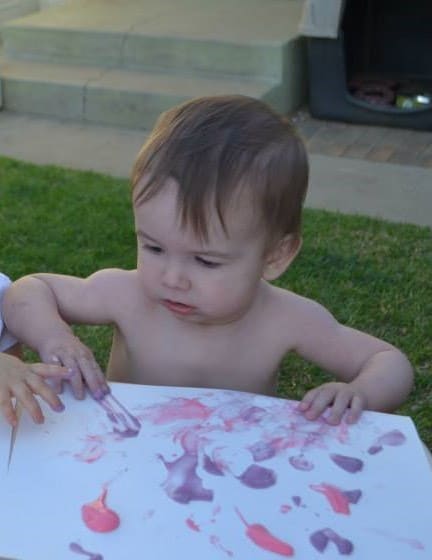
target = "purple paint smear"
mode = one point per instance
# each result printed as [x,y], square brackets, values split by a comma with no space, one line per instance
[300,463]
[75,547]
[253,414]
[262,450]
[211,467]
[183,485]
[393,438]
[297,500]
[124,423]
[320,540]
[349,464]
[353,496]
[258,477]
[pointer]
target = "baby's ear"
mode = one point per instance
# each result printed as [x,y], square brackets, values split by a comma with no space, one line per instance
[281,256]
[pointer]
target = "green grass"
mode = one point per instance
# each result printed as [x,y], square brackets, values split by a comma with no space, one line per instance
[373,275]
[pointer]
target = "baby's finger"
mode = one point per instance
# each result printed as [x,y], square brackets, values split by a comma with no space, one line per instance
[8,410]
[50,370]
[54,382]
[77,385]
[93,376]
[75,378]
[340,404]
[307,399]
[39,387]
[322,400]
[356,409]
[26,398]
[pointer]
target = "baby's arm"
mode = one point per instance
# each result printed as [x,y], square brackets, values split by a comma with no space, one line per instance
[38,310]
[372,373]
[22,381]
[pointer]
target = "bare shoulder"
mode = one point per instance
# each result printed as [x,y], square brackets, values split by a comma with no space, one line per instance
[298,314]
[113,284]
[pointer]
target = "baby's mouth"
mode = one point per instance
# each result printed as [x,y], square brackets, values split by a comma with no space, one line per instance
[178,307]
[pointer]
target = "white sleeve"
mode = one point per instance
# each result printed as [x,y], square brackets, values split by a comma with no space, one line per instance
[6,339]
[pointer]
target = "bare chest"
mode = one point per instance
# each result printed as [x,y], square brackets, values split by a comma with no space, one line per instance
[160,356]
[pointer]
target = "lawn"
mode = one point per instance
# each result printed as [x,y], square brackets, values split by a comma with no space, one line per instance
[372,274]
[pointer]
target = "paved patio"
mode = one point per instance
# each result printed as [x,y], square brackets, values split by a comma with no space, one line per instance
[354,169]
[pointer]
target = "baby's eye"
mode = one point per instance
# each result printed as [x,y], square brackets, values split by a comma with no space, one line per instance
[153,249]
[207,263]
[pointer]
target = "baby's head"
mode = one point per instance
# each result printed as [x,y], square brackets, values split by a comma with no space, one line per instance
[225,152]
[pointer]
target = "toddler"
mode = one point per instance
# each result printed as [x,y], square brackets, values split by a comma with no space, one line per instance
[217,193]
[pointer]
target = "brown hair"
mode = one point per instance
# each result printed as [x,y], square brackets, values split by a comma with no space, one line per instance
[212,146]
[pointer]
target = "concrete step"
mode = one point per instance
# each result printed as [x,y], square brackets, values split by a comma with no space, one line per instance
[103,61]
[12,9]
[112,96]
[142,49]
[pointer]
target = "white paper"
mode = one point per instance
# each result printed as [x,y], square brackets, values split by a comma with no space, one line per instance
[216,474]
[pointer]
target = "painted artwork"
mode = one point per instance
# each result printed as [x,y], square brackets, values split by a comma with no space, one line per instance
[167,472]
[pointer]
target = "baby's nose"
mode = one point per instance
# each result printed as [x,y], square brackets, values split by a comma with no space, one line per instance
[175,277]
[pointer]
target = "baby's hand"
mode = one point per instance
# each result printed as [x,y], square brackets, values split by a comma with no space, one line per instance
[70,352]
[340,397]
[23,381]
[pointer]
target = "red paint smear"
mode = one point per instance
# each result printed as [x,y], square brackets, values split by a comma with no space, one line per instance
[181,409]
[98,517]
[338,501]
[192,525]
[93,450]
[285,508]
[262,537]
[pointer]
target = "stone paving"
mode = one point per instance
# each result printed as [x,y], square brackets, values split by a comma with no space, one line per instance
[371,143]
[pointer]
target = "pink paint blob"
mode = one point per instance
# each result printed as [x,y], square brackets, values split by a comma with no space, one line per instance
[192,525]
[262,537]
[180,409]
[93,450]
[98,517]
[392,438]
[285,508]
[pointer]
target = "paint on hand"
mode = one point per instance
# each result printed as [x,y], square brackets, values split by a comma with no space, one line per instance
[98,517]
[320,540]
[393,438]
[262,537]
[75,547]
[338,499]
[258,477]
[349,464]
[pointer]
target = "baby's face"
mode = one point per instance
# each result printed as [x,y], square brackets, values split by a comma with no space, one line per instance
[212,282]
